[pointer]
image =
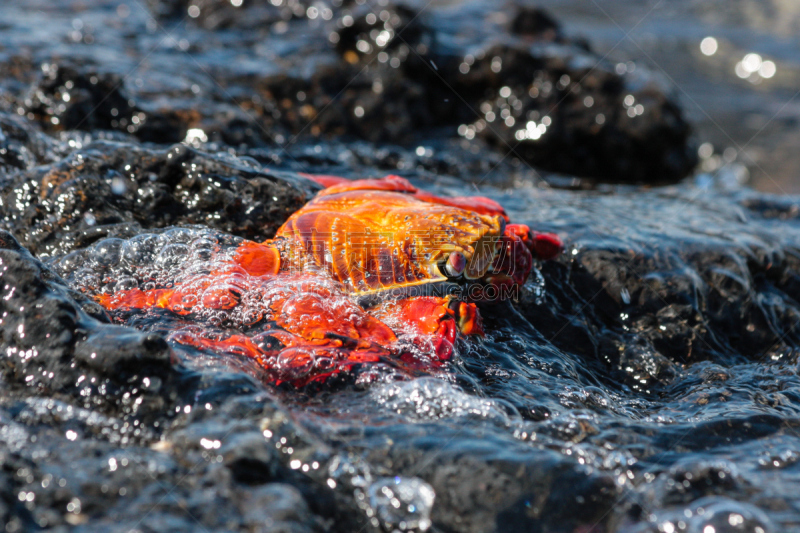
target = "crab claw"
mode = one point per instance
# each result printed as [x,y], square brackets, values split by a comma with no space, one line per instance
[512,263]
[547,245]
[469,319]
[433,319]
[514,260]
[543,246]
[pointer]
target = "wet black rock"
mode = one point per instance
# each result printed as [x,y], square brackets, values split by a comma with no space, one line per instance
[688,303]
[386,74]
[506,494]
[377,104]
[84,406]
[59,344]
[397,30]
[251,475]
[22,146]
[538,95]
[112,189]
[624,320]
[535,23]
[77,475]
[542,98]
[650,308]
[70,98]
[80,97]
[688,482]
[570,112]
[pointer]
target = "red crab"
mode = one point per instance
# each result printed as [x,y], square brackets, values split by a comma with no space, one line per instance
[351,278]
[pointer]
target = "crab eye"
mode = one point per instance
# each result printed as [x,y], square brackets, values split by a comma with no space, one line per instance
[455,265]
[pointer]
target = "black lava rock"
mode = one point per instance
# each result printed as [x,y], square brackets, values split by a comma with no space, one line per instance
[541,97]
[84,406]
[567,113]
[111,189]
[22,146]
[648,376]
[535,23]
[70,98]
[650,308]
[386,74]
[59,343]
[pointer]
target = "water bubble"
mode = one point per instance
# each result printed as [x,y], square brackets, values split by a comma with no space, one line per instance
[126,284]
[202,254]
[86,279]
[172,255]
[106,253]
[71,262]
[402,504]
[141,249]
[179,235]
[203,242]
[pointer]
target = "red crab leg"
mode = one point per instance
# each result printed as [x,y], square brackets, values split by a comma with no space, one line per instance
[238,344]
[334,185]
[180,301]
[441,318]
[299,361]
[477,204]
[253,258]
[307,315]
[135,299]
[544,246]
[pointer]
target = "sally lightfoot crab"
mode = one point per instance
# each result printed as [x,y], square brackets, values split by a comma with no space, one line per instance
[361,274]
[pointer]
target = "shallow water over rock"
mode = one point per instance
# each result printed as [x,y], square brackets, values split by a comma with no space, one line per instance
[654,376]
[644,381]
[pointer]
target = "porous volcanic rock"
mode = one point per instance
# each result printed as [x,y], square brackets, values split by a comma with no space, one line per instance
[385,74]
[116,189]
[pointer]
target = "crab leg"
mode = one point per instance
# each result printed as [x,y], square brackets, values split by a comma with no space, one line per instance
[219,289]
[431,318]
